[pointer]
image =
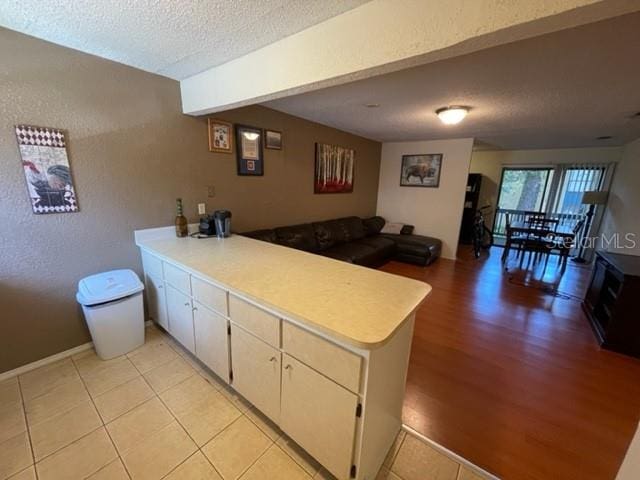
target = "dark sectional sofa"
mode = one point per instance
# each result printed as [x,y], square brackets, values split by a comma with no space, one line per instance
[354,240]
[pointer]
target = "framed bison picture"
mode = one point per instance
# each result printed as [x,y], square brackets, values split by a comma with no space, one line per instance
[421,170]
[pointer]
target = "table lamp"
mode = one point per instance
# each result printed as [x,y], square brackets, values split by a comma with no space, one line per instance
[591,198]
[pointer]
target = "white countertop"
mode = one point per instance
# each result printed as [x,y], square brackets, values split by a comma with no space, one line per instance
[360,306]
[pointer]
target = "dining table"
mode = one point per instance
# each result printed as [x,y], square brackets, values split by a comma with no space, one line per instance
[562,237]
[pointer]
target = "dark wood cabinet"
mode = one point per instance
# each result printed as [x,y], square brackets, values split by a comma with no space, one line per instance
[611,300]
[471,197]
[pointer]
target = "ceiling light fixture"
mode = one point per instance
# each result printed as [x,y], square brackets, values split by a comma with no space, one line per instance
[372,105]
[452,115]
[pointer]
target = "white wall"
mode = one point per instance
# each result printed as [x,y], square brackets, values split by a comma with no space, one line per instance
[436,212]
[630,468]
[622,215]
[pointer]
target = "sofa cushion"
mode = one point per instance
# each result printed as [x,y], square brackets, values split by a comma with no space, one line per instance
[266,235]
[300,236]
[353,228]
[373,225]
[329,233]
[385,245]
[416,248]
[351,252]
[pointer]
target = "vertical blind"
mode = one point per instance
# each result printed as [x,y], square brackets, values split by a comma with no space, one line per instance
[573,181]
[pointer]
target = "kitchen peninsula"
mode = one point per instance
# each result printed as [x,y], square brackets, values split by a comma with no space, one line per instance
[319,346]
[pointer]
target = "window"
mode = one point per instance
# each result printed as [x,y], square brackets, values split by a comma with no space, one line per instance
[574,182]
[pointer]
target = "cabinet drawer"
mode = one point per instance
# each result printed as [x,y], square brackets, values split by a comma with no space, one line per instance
[152,265]
[331,360]
[257,321]
[209,295]
[177,278]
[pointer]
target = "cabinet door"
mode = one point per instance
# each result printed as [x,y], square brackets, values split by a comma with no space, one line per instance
[156,301]
[180,317]
[212,346]
[319,415]
[256,371]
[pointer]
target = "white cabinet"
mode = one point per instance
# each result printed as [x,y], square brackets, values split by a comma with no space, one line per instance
[256,371]
[309,383]
[319,415]
[180,317]
[156,301]
[212,346]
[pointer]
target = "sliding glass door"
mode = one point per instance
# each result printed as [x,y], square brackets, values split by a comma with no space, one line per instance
[522,190]
[556,190]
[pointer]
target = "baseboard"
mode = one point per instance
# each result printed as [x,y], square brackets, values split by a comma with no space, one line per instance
[45,361]
[450,454]
[53,358]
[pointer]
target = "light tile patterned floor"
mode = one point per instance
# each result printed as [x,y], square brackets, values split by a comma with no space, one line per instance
[156,413]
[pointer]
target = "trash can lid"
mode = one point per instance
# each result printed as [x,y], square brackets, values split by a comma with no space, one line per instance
[108,286]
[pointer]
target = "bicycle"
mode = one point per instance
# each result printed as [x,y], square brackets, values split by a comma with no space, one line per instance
[482,235]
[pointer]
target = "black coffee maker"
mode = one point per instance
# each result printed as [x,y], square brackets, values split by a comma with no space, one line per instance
[207,226]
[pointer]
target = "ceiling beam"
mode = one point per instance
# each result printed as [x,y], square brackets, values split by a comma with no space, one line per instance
[383,36]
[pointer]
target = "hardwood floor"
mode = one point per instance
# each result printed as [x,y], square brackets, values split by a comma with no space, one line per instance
[511,377]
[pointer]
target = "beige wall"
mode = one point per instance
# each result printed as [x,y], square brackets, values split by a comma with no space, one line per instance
[622,215]
[132,153]
[435,212]
[490,162]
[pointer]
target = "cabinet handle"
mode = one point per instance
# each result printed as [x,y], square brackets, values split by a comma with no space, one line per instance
[195,309]
[186,304]
[288,367]
[273,359]
[160,286]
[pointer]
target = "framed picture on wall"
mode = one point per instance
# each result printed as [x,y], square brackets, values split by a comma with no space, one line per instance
[220,136]
[46,169]
[333,169]
[273,139]
[249,150]
[421,170]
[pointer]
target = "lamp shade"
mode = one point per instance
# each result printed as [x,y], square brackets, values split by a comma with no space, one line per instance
[594,198]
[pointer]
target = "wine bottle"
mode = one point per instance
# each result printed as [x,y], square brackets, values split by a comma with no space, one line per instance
[181,220]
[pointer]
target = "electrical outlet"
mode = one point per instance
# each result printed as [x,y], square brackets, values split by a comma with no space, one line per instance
[202,209]
[211,191]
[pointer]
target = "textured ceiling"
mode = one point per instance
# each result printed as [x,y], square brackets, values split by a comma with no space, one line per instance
[558,90]
[174,38]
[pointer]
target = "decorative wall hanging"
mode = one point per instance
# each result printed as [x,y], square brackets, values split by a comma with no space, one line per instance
[46,169]
[334,169]
[421,170]
[220,136]
[273,139]
[249,150]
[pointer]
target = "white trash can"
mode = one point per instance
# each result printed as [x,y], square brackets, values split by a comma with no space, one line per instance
[112,306]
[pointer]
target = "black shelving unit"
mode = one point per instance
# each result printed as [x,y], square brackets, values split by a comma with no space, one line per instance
[471,198]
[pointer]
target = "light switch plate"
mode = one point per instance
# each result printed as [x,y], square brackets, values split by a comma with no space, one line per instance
[202,209]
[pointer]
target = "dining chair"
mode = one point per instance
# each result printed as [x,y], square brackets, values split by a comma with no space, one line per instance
[539,239]
[514,239]
[543,223]
[566,244]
